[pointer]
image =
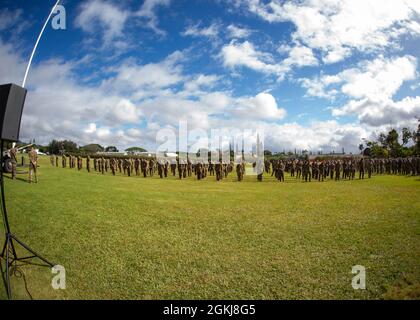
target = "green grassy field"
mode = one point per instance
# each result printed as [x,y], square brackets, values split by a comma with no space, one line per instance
[136,238]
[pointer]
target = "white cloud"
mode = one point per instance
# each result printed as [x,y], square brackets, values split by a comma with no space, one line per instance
[378,78]
[147,11]
[300,56]
[378,112]
[9,18]
[237,32]
[132,76]
[125,111]
[325,135]
[338,27]
[201,81]
[212,31]
[370,89]
[261,107]
[244,54]
[102,15]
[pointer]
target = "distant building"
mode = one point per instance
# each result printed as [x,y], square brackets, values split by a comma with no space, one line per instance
[104,153]
[335,156]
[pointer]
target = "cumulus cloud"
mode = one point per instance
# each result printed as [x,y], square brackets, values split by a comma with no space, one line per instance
[261,107]
[110,20]
[370,89]
[300,56]
[133,76]
[339,27]
[245,55]
[102,15]
[236,54]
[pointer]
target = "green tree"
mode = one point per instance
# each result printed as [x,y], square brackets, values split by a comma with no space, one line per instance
[133,150]
[111,149]
[417,139]
[268,153]
[54,147]
[406,136]
[92,148]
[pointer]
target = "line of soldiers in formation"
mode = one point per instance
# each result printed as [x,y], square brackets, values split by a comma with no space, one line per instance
[299,169]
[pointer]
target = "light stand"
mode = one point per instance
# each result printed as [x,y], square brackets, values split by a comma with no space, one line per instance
[9,254]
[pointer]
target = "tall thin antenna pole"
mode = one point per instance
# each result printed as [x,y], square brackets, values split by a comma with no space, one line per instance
[36,44]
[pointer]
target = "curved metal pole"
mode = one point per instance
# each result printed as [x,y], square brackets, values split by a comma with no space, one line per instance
[36,44]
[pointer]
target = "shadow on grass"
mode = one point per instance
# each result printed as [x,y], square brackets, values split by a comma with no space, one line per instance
[17,179]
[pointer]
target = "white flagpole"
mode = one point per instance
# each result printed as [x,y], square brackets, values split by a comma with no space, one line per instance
[36,44]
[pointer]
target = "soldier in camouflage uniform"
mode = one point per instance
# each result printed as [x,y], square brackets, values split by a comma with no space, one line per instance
[160,168]
[337,169]
[306,173]
[113,165]
[13,154]
[137,166]
[361,168]
[240,171]
[166,169]
[127,166]
[218,168]
[33,162]
[151,167]
[298,169]
[79,163]
[63,161]
[143,165]
[88,163]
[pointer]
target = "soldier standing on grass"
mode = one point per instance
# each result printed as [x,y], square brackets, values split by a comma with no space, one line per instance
[239,171]
[143,167]
[33,160]
[337,169]
[306,171]
[79,163]
[112,164]
[259,166]
[103,165]
[63,161]
[218,169]
[362,168]
[321,171]
[165,169]
[88,163]
[137,166]
[151,167]
[298,169]
[127,166]
[160,168]
[13,153]
[280,171]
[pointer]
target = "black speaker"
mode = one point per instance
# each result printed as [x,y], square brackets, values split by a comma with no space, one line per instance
[12,100]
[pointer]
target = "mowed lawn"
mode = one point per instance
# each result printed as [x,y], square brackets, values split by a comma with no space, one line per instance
[136,238]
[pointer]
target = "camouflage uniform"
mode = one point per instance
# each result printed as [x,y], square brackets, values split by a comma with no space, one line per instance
[33,160]
[13,153]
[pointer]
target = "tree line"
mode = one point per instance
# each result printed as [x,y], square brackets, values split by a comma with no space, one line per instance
[393,144]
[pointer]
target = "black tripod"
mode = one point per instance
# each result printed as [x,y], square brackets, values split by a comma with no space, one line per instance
[9,254]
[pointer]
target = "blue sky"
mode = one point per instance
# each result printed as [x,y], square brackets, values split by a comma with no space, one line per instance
[319,74]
